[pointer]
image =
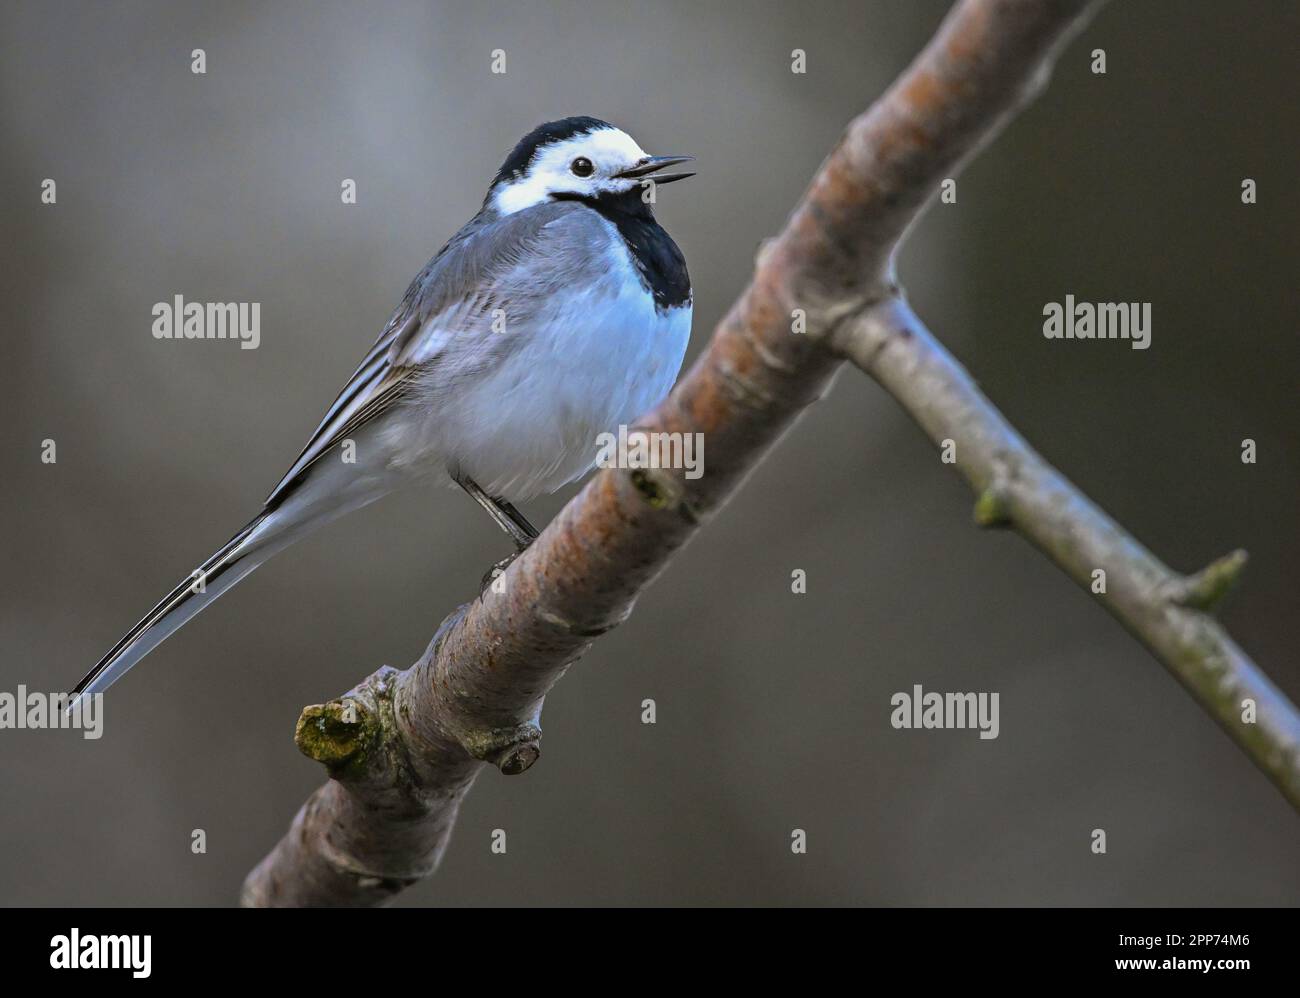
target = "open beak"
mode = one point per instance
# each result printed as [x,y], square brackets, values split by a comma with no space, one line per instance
[648,166]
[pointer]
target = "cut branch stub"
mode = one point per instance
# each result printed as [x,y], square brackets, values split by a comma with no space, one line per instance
[341,733]
[325,733]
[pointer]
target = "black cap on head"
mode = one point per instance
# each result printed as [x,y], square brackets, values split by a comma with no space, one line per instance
[553,131]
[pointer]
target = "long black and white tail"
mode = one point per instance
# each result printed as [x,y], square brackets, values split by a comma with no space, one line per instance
[236,559]
[332,489]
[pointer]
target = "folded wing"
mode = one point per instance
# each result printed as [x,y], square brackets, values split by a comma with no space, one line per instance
[448,309]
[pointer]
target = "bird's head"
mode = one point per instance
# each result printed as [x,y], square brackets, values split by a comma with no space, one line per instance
[578,159]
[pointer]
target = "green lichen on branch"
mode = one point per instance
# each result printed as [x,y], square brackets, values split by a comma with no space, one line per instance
[654,491]
[342,733]
[332,733]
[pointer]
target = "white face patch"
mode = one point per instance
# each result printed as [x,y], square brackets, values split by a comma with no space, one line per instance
[610,150]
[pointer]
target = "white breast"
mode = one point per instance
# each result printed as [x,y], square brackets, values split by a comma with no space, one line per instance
[601,357]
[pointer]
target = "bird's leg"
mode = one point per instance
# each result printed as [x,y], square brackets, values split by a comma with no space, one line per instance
[505,515]
[519,520]
[526,529]
[508,519]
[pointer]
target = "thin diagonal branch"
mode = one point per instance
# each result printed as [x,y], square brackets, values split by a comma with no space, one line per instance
[1167,612]
[403,748]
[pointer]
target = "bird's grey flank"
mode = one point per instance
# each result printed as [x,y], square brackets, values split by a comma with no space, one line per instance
[558,313]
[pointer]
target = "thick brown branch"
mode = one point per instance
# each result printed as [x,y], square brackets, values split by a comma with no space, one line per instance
[403,748]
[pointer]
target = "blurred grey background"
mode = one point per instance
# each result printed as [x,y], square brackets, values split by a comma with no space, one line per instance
[773,708]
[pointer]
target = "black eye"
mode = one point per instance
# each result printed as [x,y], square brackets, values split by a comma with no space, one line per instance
[581,167]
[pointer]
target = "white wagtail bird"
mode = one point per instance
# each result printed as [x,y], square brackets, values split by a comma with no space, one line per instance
[558,313]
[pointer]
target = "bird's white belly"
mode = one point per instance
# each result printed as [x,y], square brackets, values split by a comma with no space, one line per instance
[531,425]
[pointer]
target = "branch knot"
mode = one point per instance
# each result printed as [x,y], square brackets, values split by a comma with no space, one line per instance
[511,750]
[1207,588]
[993,507]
